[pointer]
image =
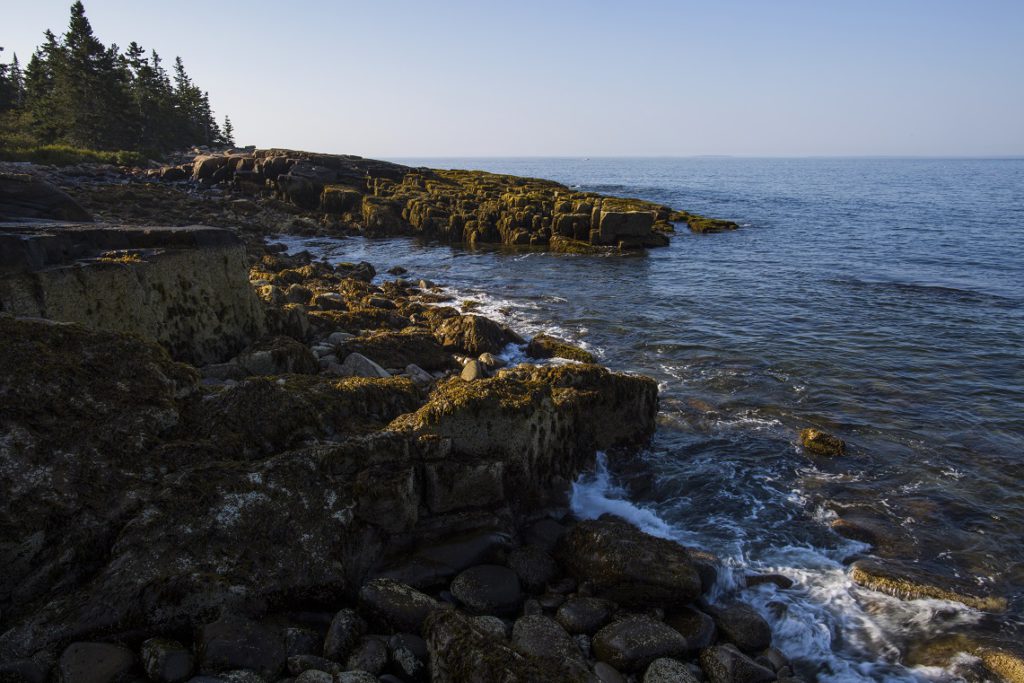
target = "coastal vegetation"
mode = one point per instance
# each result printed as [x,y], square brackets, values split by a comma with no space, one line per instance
[79,100]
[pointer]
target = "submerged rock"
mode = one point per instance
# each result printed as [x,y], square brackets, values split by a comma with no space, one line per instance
[822,443]
[911,583]
[545,346]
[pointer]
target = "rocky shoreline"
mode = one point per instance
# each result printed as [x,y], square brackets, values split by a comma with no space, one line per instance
[223,462]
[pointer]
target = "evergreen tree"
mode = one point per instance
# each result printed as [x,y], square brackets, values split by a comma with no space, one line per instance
[229,132]
[77,91]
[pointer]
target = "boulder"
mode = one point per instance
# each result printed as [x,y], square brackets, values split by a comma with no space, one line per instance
[395,605]
[407,654]
[631,644]
[400,349]
[541,636]
[308,662]
[741,625]
[474,335]
[278,356]
[667,670]
[697,627]
[95,663]
[629,566]
[582,614]
[358,365]
[822,443]
[343,634]
[238,643]
[167,661]
[473,370]
[546,346]
[726,664]
[534,567]
[488,589]
[461,651]
[370,655]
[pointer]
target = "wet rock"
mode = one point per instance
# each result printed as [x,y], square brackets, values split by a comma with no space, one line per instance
[358,365]
[821,443]
[741,625]
[474,335]
[370,655]
[726,664]
[238,643]
[395,605]
[666,670]
[299,663]
[1003,663]
[277,356]
[488,589]
[534,567]
[241,676]
[585,614]
[491,362]
[777,580]
[546,346]
[95,663]
[166,661]
[911,583]
[628,566]
[473,370]
[344,633]
[631,644]
[439,562]
[702,225]
[298,294]
[697,627]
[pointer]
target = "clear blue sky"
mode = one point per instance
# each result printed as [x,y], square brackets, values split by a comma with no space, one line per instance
[523,78]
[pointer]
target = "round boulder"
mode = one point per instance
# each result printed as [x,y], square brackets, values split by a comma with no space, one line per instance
[488,589]
[632,644]
[534,567]
[94,663]
[741,625]
[580,614]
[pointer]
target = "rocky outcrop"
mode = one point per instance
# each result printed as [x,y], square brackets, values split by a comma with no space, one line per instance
[182,287]
[24,195]
[821,443]
[380,198]
[546,346]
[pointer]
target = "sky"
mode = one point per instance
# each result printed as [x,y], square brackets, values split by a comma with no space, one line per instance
[383,78]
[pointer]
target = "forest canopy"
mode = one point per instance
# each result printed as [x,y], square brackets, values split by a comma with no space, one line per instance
[78,93]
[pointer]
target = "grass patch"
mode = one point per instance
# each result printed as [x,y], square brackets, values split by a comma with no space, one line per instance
[66,155]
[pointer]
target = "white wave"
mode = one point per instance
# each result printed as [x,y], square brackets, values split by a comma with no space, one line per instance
[847,632]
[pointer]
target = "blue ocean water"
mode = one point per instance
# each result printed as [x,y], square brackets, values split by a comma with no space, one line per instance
[879,299]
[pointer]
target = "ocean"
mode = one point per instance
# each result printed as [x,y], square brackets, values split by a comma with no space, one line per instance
[879,299]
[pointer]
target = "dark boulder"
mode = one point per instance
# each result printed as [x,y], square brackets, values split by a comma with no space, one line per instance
[395,605]
[546,346]
[95,663]
[631,644]
[629,566]
[726,664]
[488,589]
[741,625]
[26,196]
[581,614]
[343,634]
[239,643]
[474,335]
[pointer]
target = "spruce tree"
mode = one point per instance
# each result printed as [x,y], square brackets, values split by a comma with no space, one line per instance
[229,132]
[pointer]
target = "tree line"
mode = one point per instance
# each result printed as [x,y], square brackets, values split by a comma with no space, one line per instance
[76,91]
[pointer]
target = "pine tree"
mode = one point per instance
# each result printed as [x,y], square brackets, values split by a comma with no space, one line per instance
[77,91]
[229,132]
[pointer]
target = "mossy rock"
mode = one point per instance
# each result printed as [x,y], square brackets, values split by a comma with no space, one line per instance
[912,583]
[822,443]
[399,349]
[704,226]
[546,346]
